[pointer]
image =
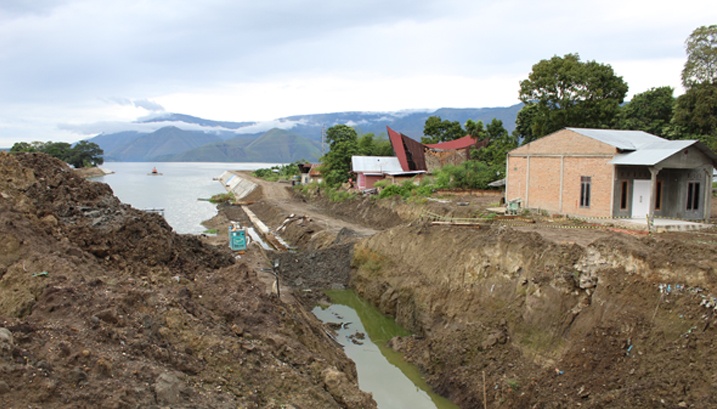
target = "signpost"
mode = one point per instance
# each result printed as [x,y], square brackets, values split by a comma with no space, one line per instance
[237,237]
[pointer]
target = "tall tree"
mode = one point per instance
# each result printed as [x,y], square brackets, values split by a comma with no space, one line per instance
[569,92]
[695,115]
[650,111]
[437,130]
[85,154]
[701,65]
[475,129]
[336,163]
[495,153]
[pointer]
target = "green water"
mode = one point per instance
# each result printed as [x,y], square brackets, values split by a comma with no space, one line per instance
[380,329]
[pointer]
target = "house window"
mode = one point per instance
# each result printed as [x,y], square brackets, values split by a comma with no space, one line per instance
[693,195]
[623,195]
[658,195]
[585,191]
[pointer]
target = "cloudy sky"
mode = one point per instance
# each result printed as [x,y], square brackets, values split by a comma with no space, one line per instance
[70,67]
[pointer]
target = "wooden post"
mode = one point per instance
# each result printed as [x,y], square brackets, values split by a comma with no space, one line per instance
[485,400]
[276,275]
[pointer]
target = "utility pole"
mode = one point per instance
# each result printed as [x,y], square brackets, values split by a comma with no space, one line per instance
[323,137]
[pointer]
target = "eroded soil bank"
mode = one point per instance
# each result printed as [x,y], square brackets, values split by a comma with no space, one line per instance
[549,325]
[102,305]
[531,317]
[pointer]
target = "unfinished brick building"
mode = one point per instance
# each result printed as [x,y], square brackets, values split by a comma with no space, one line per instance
[612,173]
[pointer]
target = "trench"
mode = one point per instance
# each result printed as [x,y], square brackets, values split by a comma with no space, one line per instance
[364,332]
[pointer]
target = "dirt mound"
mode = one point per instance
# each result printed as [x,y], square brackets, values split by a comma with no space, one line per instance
[102,305]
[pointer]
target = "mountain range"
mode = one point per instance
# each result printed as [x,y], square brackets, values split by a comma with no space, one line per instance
[183,138]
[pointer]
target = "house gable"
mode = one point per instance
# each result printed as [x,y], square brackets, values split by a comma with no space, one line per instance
[564,142]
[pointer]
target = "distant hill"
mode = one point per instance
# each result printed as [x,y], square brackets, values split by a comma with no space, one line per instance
[185,138]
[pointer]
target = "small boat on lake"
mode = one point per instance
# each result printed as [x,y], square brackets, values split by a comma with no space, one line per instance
[154,172]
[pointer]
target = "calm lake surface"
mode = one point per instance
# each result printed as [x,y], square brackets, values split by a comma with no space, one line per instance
[177,190]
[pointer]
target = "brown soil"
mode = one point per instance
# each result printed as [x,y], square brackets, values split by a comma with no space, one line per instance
[513,315]
[102,305]
[553,314]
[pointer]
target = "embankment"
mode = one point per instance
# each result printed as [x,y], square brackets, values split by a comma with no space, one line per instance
[511,319]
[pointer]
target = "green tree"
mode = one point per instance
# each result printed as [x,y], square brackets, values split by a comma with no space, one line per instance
[475,129]
[59,150]
[336,163]
[650,111]
[436,130]
[494,155]
[369,145]
[85,154]
[701,65]
[564,91]
[339,134]
[695,114]
[22,147]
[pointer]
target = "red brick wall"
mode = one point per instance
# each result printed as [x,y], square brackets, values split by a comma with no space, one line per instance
[578,156]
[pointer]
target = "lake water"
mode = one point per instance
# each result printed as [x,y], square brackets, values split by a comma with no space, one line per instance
[177,190]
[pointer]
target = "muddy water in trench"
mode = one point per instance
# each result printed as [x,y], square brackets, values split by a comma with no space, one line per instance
[394,383]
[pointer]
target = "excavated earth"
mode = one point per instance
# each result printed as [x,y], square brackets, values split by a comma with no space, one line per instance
[555,314]
[102,305]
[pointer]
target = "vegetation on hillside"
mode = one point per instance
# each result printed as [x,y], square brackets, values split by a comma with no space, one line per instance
[83,154]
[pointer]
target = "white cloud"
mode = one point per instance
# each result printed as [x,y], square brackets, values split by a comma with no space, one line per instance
[67,63]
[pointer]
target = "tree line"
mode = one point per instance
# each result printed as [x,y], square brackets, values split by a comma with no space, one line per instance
[82,154]
[562,92]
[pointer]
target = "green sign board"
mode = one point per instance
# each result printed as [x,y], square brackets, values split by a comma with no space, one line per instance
[237,238]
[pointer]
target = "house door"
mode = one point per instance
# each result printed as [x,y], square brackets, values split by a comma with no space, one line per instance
[640,198]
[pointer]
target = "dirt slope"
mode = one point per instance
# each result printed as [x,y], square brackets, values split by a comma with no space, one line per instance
[102,305]
[524,317]
[550,325]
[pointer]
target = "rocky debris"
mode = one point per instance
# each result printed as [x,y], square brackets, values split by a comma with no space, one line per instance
[93,314]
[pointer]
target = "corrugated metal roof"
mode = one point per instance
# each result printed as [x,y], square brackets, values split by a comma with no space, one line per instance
[375,164]
[653,153]
[621,139]
[461,143]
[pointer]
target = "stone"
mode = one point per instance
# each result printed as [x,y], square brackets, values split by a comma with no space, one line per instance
[4,388]
[6,341]
[167,388]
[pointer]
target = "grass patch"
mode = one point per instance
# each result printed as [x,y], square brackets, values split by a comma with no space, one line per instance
[223,198]
[513,384]
[367,260]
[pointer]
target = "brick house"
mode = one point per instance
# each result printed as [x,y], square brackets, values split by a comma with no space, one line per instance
[612,173]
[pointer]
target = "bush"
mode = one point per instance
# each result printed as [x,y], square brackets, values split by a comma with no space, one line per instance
[222,198]
[468,175]
[279,172]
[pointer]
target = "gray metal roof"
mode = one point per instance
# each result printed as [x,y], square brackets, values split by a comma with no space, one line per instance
[652,154]
[376,164]
[623,140]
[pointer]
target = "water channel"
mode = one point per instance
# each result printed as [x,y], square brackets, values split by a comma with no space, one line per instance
[394,383]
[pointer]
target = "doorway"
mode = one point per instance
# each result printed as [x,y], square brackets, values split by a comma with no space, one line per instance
[640,198]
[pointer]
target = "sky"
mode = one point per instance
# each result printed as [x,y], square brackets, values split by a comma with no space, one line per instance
[70,69]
